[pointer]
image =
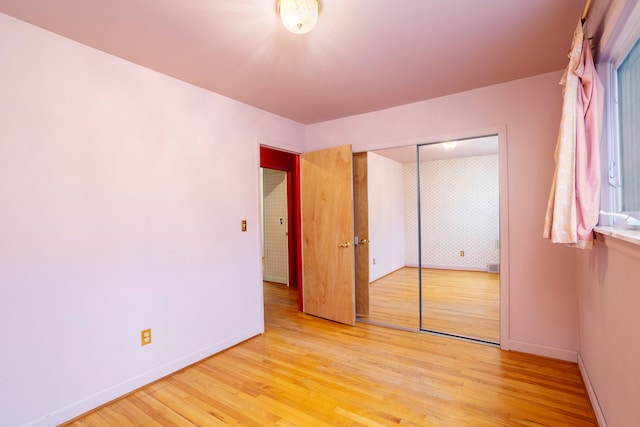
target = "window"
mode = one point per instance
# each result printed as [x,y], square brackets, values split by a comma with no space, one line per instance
[629,129]
[619,70]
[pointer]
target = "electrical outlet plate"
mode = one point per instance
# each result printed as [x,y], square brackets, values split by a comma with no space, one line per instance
[145,336]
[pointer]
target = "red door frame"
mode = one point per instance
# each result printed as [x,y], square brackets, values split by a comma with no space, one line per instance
[271,158]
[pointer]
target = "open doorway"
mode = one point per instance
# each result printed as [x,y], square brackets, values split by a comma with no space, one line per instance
[284,166]
[273,200]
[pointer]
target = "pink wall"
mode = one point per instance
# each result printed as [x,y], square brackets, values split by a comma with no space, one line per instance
[609,288]
[386,216]
[114,219]
[120,211]
[542,296]
[608,281]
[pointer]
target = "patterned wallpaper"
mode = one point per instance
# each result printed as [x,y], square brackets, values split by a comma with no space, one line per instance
[460,212]
[274,184]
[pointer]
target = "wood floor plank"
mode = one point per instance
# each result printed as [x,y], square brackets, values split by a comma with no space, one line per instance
[465,303]
[306,371]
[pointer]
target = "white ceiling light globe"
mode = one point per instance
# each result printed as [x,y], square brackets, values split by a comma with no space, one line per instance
[299,16]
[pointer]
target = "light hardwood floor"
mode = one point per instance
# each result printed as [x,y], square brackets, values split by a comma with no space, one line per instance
[465,303]
[306,371]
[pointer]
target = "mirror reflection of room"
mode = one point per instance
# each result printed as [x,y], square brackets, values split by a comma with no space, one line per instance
[433,228]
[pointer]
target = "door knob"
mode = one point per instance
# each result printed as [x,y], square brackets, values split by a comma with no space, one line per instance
[344,245]
[363,242]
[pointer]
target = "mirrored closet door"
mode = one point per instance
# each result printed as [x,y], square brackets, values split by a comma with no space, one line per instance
[433,238]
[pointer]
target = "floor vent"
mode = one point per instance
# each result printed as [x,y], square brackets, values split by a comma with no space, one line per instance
[493,268]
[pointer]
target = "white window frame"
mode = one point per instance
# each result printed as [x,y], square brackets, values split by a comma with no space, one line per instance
[622,39]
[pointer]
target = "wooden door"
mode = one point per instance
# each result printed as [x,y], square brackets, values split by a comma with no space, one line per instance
[361,221]
[327,234]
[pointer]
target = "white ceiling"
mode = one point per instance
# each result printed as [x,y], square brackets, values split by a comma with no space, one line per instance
[480,146]
[363,55]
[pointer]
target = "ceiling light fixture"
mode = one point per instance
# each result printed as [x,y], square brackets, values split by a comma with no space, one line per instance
[298,16]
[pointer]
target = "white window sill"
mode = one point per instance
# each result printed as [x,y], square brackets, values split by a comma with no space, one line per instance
[620,234]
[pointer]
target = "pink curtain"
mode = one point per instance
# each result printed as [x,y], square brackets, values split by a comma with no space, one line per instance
[572,210]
